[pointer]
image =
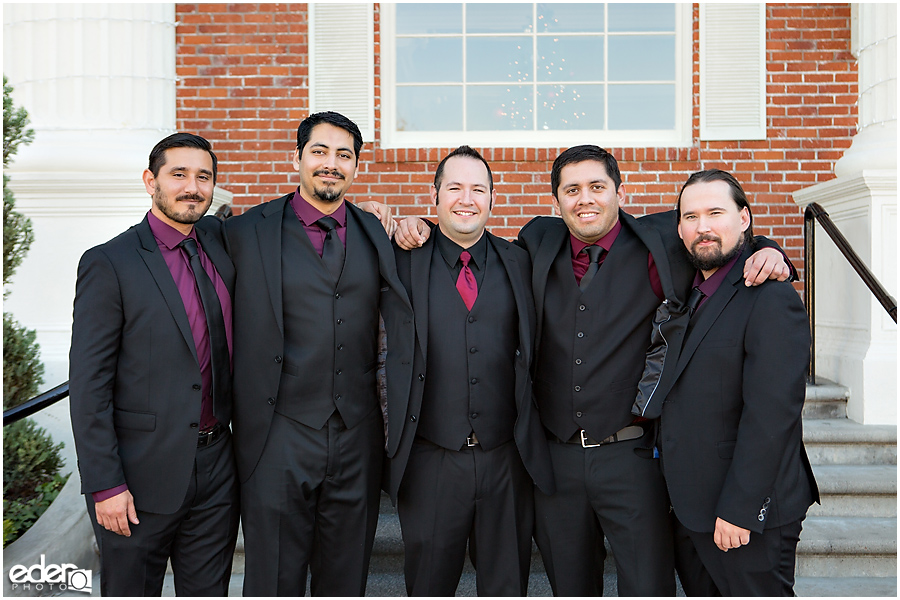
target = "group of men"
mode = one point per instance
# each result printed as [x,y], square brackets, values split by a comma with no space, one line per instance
[565,387]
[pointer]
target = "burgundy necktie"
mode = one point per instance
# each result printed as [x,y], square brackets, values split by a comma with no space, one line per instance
[465,283]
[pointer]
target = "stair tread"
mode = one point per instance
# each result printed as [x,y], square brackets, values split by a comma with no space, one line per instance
[845,431]
[858,479]
[858,587]
[825,391]
[849,535]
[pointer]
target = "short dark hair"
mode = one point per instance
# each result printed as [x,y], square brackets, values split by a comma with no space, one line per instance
[331,118]
[467,152]
[180,140]
[577,154]
[737,194]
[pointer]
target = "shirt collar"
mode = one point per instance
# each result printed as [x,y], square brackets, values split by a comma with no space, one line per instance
[309,214]
[709,286]
[166,234]
[605,242]
[450,250]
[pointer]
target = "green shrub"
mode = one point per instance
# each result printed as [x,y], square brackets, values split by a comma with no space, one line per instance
[20,514]
[22,368]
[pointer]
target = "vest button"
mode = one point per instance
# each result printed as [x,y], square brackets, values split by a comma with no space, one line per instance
[271,401]
[577,388]
[339,321]
[582,307]
[194,425]
[278,359]
[472,350]
[473,381]
[421,376]
[340,346]
[578,414]
[471,319]
[338,372]
[474,415]
[412,418]
[581,334]
[577,361]
[196,386]
[337,396]
[337,296]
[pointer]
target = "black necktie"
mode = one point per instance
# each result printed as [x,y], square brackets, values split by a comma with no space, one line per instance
[594,253]
[333,250]
[695,299]
[215,324]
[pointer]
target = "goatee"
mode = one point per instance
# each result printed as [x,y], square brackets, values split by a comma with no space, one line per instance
[714,258]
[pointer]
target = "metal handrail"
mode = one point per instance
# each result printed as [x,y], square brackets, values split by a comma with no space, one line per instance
[39,402]
[815,211]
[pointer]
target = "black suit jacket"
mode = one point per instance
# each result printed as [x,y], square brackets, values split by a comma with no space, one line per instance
[731,430]
[134,378]
[414,269]
[254,244]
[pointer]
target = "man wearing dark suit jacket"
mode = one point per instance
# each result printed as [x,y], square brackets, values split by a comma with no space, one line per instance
[731,433]
[467,442]
[150,387]
[593,327]
[312,272]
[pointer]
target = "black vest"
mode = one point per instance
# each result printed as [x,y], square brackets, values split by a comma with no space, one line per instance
[471,383]
[593,345]
[330,329]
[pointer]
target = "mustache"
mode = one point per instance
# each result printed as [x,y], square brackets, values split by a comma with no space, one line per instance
[196,197]
[707,238]
[336,174]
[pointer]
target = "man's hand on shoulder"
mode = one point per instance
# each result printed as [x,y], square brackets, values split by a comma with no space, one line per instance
[728,536]
[412,233]
[115,513]
[765,264]
[383,212]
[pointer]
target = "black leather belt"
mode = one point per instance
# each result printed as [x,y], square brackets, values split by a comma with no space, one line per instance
[581,437]
[208,438]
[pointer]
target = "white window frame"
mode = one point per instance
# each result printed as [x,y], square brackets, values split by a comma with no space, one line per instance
[680,136]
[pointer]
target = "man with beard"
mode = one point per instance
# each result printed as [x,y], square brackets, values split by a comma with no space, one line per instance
[150,387]
[312,273]
[731,434]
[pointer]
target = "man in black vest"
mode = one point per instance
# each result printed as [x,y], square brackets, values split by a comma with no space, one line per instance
[731,434]
[593,327]
[467,442]
[312,272]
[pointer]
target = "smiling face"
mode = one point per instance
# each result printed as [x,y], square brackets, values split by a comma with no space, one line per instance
[327,166]
[711,225]
[183,189]
[587,200]
[464,201]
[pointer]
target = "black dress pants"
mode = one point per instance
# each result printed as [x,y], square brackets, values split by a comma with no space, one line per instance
[199,538]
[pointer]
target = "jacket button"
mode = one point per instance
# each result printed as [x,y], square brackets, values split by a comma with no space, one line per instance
[582,307]
[278,359]
[579,414]
[577,361]
[577,388]
[421,376]
[412,419]
[196,386]
[271,401]
[518,353]
[337,396]
[338,372]
[581,334]
[339,321]
[340,346]
[194,425]
[337,296]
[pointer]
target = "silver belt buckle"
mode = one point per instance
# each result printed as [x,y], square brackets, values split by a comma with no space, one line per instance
[471,440]
[584,443]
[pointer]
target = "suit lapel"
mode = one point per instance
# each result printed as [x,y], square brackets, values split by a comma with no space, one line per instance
[420,267]
[518,287]
[374,231]
[268,231]
[216,253]
[551,243]
[159,270]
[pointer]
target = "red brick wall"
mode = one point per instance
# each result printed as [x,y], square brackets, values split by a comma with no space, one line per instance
[243,84]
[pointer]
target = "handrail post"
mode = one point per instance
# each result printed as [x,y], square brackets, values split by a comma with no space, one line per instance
[809,274]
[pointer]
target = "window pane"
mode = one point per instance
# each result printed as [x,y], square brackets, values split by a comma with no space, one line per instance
[641,106]
[641,17]
[499,107]
[570,106]
[499,59]
[429,108]
[428,18]
[574,18]
[498,18]
[642,58]
[571,58]
[423,60]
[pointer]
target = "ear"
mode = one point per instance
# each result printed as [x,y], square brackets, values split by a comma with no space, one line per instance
[149,181]
[556,206]
[621,195]
[679,230]
[493,199]
[434,195]
[296,159]
[745,219]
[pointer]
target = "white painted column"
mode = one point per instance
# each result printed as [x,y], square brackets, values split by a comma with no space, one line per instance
[856,340]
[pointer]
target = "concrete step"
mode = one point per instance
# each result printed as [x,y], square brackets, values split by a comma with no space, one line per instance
[848,547]
[825,400]
[845,442]
[856,491]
